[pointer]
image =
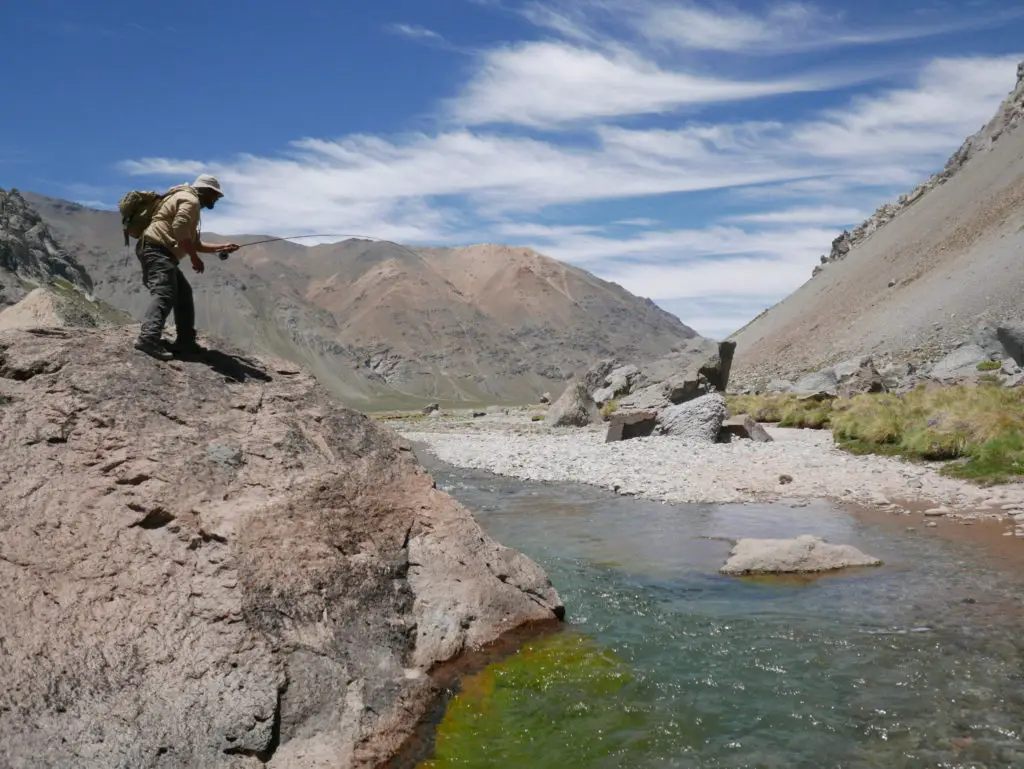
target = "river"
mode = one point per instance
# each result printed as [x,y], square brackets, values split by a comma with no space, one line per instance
[663,662]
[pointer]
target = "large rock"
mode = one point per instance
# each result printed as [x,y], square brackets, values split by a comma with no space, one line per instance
[703,374]
[961,362]
[790,556]
[575,408]
[743,426]
[618,383]
[596,376]
[209,563]
[1000,342]
[49,307]
[698,420]
[632,424]
[1011,338]
[824,381]
[864,379]
[849,368]
[895,374]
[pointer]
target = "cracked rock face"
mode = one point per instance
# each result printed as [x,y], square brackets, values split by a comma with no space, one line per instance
[212,564]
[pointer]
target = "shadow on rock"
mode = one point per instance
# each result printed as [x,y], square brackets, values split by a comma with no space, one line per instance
[234,367]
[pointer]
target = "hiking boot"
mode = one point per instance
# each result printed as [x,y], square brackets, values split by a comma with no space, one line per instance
[153,349]
[186,347]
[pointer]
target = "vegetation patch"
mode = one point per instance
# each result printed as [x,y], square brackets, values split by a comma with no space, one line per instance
[784,409]
[609,408]
[978,431]
[989,365]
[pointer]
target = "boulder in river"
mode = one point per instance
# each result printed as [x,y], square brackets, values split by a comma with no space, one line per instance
[211,563]
[805,554]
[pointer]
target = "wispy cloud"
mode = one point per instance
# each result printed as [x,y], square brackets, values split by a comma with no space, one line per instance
[787,27]
[415,31]
[828,215]
[542,84]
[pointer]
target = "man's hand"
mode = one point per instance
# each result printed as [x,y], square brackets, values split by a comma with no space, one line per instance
[229,247]
[197,264]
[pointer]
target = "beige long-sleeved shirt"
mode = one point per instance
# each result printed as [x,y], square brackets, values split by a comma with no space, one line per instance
[175,219]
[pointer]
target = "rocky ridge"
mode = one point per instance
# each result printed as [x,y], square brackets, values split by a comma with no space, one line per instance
[914,282]
[30,254]
[1006,120]
[210,563]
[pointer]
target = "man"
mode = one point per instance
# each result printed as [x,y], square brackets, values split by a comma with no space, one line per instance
[172,234]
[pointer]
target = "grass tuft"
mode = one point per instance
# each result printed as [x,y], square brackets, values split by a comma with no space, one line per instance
[977,430]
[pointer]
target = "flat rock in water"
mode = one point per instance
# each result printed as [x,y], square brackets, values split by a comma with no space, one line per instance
[805,554]
[208,564]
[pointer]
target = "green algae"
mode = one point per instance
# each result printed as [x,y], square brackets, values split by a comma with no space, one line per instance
[560,701]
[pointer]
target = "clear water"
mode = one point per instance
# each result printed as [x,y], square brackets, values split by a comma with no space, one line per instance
[665,663]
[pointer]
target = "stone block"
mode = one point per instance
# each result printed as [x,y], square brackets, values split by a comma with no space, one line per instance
[631,424]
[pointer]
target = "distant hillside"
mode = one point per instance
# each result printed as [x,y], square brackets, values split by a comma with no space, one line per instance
[30,256]
[916,278]
[389,326]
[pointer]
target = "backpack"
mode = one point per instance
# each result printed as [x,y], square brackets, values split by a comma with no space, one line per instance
[137,208]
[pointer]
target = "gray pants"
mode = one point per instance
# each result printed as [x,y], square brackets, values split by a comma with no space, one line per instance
[170,291]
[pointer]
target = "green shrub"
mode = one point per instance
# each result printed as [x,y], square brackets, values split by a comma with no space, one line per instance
[608,409]
[989,365]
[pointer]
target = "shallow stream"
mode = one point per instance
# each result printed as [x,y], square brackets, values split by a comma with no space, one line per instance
[664,663]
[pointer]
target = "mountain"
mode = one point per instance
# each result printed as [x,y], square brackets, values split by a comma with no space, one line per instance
[30,255]
[387,325]
[916,278]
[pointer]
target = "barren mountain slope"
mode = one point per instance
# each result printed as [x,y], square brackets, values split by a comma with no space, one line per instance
[385,324]
[919,277]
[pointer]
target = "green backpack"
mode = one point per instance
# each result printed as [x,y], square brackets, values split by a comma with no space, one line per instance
[137,208]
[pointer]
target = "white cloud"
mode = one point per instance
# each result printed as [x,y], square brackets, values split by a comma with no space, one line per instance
[781,28]
[548,83]
[817,173]
[830,215]
[415,31]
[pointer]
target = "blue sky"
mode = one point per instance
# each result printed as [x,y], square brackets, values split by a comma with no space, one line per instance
[703,154]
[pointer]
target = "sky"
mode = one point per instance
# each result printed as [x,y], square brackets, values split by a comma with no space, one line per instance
[702,154]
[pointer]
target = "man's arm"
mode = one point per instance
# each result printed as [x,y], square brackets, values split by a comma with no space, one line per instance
[209,248]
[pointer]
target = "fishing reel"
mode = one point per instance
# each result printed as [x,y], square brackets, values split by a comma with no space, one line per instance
[223,255]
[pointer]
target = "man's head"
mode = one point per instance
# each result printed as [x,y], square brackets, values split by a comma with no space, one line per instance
[208,188]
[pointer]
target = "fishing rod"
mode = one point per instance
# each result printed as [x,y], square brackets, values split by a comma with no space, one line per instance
[222,255]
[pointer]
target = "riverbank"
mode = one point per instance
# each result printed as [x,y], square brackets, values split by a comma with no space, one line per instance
[798,466]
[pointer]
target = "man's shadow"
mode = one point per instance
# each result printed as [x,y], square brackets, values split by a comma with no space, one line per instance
[234,367]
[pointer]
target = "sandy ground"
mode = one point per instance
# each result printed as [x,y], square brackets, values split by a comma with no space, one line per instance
[672,470]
